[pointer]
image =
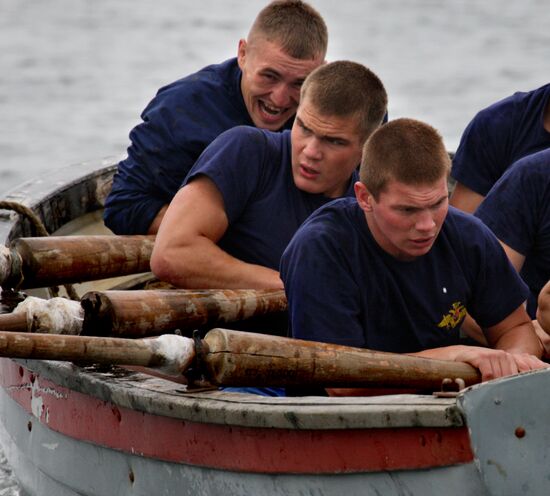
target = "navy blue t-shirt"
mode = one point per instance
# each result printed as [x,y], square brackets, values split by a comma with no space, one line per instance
[178,124]
[343,288]
[252,169]
[498,136]
[517,210]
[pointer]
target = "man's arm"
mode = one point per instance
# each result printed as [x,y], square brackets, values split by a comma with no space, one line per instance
[465,199]
[543,310]
[186,253]
[516,348]
[470,326]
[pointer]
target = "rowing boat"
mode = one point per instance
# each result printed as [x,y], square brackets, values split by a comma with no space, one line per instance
[69,429]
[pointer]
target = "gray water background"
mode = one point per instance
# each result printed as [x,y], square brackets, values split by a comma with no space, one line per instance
[76,74]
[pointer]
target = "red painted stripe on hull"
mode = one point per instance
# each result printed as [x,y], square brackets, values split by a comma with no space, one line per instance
[87,418]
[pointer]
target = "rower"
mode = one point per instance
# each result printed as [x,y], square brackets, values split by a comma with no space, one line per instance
[517,210]
[251,188]
[260,87]
[395,269]
[498,136]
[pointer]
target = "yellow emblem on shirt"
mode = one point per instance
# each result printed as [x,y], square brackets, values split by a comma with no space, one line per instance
[453,317]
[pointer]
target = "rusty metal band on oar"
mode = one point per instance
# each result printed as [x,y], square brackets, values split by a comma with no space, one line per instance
[49,261]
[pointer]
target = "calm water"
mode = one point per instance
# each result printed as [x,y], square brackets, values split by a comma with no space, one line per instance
[75,74]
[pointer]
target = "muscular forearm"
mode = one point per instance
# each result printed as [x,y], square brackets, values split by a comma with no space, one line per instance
[520,339]
[205,265]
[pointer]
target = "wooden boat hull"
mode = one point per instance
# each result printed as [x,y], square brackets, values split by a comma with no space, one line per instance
[70,430]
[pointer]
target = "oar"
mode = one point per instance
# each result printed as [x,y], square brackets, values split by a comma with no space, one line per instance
[168,353]
[233,358]
[141,313]
[157,311]
[55,260]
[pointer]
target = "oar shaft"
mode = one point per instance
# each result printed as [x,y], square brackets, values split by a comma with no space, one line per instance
[233,358]
[164,353]
[55,260]
[153,312]
[76,348]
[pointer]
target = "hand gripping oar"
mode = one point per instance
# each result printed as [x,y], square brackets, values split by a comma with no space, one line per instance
[233,358]
[55,260]
[141,313]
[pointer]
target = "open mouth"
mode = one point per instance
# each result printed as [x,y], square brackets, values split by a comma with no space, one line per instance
[270,110]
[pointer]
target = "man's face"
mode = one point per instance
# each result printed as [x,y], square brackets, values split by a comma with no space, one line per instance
[271,82]
[406,219]
[325,151]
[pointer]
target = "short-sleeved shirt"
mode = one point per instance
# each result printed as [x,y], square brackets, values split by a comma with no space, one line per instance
[498,136]
[252,169]
[343,288]
[517,210]
[178,124]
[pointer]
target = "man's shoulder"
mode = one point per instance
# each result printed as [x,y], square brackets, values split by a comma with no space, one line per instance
[466,226]
[332,218]
[244,151]
[534,165]
[250,136]
[503,110]
[217,80]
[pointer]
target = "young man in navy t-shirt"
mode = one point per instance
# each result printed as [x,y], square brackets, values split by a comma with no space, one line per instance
[517,210]
[498,136]
[260,87]
[251,189]
[395,269]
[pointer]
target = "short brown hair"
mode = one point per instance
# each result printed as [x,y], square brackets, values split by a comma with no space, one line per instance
[405,150]
[295,25]
[345,88]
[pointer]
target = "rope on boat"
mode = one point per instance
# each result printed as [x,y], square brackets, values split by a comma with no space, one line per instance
[40,230]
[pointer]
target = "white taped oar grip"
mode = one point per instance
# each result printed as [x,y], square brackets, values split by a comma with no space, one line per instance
[54,316]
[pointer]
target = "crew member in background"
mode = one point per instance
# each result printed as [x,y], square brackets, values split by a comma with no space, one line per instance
[517,210]
[260,87]
[498,136]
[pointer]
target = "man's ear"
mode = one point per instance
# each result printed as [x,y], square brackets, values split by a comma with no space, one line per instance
[241,52]
[364,198]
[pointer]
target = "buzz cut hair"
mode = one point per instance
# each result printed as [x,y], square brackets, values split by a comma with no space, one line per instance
[296,26]
[347,89]
[405,150]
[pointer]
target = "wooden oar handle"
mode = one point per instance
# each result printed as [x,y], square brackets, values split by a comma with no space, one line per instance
[152,312]
[234,358]
[55,260]
[170,353]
